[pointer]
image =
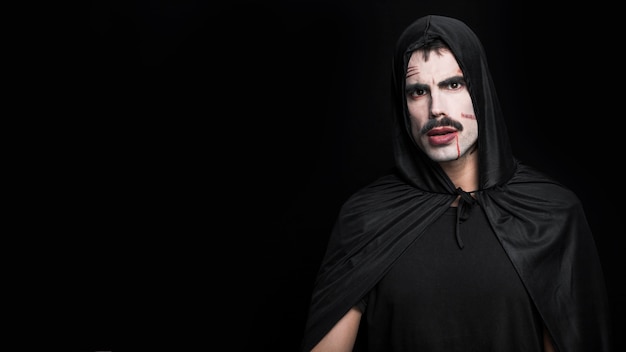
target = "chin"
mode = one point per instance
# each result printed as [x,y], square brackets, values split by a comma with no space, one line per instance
[443,157]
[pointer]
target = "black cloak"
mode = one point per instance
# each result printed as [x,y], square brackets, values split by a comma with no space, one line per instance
[539,222]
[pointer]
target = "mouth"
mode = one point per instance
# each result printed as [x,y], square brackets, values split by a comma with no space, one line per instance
[441,136]
[438,131]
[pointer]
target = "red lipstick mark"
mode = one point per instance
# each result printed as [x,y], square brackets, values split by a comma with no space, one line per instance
[468,116]
[458,148]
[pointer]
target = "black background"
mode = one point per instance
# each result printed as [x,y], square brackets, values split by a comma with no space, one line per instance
[210,147]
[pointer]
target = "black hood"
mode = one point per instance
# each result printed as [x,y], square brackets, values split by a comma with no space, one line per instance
[496,160]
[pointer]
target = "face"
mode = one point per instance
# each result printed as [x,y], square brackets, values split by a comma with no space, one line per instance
[443,123]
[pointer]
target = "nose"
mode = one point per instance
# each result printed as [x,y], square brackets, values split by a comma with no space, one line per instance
[437,105]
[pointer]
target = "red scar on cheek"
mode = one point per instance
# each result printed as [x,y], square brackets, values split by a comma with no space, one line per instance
[468,116]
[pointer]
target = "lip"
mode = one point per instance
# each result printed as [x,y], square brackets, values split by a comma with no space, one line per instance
[441,136]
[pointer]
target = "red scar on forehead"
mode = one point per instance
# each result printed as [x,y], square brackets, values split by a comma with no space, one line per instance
[468,116]
[410,71]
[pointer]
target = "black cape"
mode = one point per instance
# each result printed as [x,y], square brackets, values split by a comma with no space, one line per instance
[539,222]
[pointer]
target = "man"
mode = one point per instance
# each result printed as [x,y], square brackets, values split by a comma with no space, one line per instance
[463,247]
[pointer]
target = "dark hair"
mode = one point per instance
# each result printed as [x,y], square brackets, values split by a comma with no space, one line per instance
[435,45]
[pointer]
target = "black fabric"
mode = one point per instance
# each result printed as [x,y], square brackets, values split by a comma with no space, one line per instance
[437,297]
[540,223]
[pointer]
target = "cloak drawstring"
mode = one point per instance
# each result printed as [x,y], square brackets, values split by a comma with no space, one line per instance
[462,212]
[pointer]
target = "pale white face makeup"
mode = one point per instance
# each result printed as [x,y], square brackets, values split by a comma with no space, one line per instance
[437,95]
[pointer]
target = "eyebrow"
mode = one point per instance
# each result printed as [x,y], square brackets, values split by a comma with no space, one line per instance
[415,86]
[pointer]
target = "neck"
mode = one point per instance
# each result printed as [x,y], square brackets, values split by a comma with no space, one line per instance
[463,172]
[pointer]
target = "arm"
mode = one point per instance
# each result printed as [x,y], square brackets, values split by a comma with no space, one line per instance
[342,336]
[547,341]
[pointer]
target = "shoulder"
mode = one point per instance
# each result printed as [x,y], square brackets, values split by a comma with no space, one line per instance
[538,186]
[380,191]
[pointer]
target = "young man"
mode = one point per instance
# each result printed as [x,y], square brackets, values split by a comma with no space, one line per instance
[463,247]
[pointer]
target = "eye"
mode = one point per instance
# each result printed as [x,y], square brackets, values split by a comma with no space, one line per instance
[417,92]
[455,85]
